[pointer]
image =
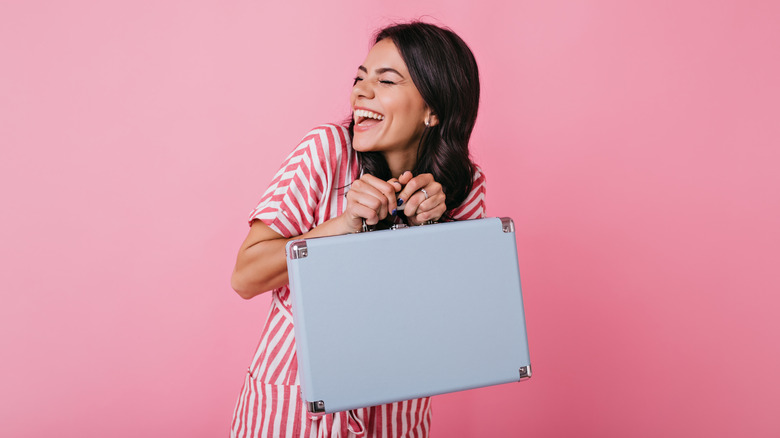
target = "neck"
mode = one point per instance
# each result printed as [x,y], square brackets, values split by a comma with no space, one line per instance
[401,161]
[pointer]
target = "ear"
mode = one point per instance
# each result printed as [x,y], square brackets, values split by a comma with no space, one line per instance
[432,119]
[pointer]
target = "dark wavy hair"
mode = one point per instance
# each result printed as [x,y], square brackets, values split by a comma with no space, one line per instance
[445,73]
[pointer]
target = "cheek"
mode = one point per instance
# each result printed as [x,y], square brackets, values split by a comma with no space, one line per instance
[351,101]
[406,109]
[407,103]
[415,107]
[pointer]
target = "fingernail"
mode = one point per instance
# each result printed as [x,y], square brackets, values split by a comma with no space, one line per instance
[400,201]
[393,213]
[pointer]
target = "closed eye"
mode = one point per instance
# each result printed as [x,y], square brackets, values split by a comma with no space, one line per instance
[357,78]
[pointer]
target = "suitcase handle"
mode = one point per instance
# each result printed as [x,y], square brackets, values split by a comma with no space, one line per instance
[367,228]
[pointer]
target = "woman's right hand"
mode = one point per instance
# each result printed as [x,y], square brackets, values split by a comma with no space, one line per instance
[369,198]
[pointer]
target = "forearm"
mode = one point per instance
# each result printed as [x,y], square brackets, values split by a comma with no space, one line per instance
[260,268]
[262,265]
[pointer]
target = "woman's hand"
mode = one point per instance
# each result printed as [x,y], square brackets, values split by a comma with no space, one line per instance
[423,198]
[369,198]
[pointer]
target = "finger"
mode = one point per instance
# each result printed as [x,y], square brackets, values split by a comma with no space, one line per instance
[396,185]
[411,206]
[431,215]
[433,202]
[381,190]
[385,189]
[366,213]
[414,185]
[431,209]
[418,204]
[431,194]
[367,195]
[405,178]
[354,214]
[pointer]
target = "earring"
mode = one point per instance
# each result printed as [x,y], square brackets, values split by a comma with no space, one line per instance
[427,123]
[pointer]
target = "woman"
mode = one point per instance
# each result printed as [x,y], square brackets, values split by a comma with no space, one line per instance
[403,158]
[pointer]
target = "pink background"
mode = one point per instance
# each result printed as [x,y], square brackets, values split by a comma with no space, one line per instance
[635,144]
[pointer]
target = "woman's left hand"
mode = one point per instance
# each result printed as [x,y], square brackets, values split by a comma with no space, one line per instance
[423,198]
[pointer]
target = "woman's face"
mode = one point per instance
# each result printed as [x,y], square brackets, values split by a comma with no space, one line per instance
[388,110]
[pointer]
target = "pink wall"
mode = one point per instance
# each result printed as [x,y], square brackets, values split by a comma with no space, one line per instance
[634,143]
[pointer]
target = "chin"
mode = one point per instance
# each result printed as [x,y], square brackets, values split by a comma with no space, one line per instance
[361,145]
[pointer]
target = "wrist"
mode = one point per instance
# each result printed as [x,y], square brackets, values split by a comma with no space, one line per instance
[345,224]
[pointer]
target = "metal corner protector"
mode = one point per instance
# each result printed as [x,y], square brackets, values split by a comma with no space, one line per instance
[507,225]
[525,372]
[298,249]
[316,407]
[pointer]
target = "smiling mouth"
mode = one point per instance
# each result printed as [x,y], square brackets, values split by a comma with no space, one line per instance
[367,118]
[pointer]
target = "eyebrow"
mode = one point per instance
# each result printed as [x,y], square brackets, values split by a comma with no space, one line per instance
[379,71]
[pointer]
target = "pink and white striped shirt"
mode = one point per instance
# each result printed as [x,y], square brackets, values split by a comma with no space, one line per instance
[307,191]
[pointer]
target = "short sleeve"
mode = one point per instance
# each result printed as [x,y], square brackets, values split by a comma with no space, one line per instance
[289,204]
[474,205]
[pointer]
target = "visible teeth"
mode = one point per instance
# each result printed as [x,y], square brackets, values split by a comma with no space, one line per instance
[368,114]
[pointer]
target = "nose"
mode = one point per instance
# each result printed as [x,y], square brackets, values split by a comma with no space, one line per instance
[363,89]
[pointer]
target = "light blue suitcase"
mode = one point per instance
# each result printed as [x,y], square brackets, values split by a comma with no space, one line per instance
[398,314]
